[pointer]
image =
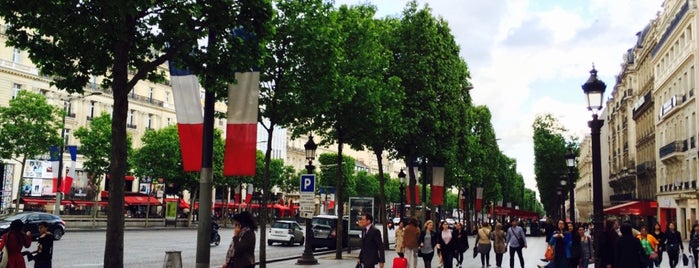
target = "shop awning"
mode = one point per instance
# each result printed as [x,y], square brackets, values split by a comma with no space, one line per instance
[638,208]
[88,203]
[137,200]
[36,201]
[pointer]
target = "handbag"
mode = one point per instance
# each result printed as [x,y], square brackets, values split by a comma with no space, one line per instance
[359,265]
[685,259]
[475,251]
[520,240]
[550,254]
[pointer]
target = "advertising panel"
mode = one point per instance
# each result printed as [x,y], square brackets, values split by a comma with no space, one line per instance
[359,206]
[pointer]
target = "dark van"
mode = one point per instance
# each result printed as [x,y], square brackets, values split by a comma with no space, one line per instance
[325,234]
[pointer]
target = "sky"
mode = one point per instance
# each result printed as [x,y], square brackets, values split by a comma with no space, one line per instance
[530,57]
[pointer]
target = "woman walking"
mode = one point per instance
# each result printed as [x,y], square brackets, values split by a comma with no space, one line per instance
[484,244]
[428,243]
[461,243]
[499,244]
[399,239]
[673,245]
[241,252]
[586,252]
[446,242]
[694,243]
[629,252]
[560,241]
[14,240]
[659,235]
[575,247]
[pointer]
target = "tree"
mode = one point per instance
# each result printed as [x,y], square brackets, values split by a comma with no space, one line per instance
[96,147]
[27,129]
[549,160]
[127,41]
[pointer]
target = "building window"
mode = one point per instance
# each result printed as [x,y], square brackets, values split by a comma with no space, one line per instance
[133,93]
[150,95]
[15,55]
[130,117]
[169,121]
[149,120]
[66,136]
[92,111]
[15,89]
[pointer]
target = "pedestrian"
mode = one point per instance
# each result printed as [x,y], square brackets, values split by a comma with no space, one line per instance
[447,244]
[499,243]
[411,242]
[372,251]
[484,244]
[575,247]
[241,252]
[586,252]
[399,239]
[661,236]
[461,242]
[44,251]
[629,252]
[650,246]
[694,243]
[14,240]
[517,240]
[608,243]
[672,244]
[560,241]
[428,243]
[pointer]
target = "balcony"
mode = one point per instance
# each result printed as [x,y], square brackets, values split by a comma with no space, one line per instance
[673,152]
[645,167]
[679,186]
[621,198]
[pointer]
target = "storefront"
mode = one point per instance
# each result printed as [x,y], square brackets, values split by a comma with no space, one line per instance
[639,213]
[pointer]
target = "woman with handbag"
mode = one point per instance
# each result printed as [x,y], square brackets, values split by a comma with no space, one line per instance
[428,243]
[560,242]
[461,243]
[446,242]
[399,239]
[673,245]
[14,240]
[411,238]
[650,245]
[499,244]
[659,235]
[586,254]
[484,244]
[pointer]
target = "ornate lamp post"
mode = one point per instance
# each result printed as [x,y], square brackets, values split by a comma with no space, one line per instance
[307,257]
[401,189]
[594,90]
[59,178]
[570,162]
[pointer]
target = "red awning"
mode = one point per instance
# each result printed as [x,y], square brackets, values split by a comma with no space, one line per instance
[35,201]
[639,208]
[88,203]
[137,200]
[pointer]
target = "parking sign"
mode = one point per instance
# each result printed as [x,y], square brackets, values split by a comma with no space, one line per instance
[308,183]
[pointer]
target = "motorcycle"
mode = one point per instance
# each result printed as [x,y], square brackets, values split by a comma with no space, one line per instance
[215,237]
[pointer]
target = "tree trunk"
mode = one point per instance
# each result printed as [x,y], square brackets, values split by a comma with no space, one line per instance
[411,186]
[339,201]
[382,199]
[114,244]
[265,198]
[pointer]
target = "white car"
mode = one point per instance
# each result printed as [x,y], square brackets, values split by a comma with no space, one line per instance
[285,232]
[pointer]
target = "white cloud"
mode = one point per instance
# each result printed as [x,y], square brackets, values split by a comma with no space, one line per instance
[531,57]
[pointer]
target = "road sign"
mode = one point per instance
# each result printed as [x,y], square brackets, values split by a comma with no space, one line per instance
[308,183]
[307,195]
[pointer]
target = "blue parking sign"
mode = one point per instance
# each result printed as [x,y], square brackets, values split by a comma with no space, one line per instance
[308,183]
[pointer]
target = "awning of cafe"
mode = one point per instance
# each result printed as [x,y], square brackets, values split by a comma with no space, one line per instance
[638,208]
[41,201]
[89,203]
[137,200]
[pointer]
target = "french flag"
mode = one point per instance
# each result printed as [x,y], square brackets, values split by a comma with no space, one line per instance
[68,180]
[479,199]
[190,119]
[241,132]
[248,193]
[437,185]
[55,155]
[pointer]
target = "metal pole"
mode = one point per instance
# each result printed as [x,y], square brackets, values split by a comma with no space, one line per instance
[59,179]
[307,257]
[595,126]
[402,202]
[571,194]
[206,177]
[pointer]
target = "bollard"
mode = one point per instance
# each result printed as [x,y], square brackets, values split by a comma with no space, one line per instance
[173,259]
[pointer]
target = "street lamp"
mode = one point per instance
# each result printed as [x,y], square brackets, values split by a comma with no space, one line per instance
[564,188]
[594,90]
[59,178]
[570,162]
[401,189]
[307,257]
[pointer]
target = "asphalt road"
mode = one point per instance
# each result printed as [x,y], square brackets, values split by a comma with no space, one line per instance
[146,248]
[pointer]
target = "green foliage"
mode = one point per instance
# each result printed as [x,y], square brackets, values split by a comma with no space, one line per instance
[95,145]
[328,173]
[28,126]
[549,159]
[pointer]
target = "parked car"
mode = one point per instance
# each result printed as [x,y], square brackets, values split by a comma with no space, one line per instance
[31,223]
[325,234]
[285,232]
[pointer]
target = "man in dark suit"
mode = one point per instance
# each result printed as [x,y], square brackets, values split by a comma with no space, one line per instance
[372,251]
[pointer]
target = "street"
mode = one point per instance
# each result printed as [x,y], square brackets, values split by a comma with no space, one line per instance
[146,248]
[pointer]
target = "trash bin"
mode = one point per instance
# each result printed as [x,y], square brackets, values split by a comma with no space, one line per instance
[173,259]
